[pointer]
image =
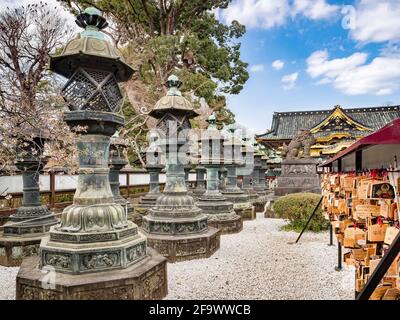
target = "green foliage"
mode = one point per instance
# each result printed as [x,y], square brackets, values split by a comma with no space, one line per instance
[297,208]
[161,37]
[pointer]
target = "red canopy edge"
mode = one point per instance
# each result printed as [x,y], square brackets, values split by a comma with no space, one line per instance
[389,134]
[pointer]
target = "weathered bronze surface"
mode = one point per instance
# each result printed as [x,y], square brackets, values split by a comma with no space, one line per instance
[175,225]
[24,230]
[219,211]
[95,252]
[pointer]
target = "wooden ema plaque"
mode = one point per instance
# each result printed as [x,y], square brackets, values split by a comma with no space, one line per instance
[364,211]
[381,190]
[376,232]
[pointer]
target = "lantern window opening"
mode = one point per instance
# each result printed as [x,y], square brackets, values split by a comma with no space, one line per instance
[90,89]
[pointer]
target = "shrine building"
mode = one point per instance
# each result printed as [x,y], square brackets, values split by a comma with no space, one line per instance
[334,130]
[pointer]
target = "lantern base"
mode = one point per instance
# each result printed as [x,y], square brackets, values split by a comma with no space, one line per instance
[227,224]
[13,249]
[259,203]
[185,247]
[91,252]
[220,213]
[17,226]
[245,210]
[144,280]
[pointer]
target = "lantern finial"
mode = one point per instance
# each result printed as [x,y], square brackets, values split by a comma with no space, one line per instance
[173,83]
[92,21]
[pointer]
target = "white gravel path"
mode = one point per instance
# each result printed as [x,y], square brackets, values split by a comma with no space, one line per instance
[7,283]
[257,263]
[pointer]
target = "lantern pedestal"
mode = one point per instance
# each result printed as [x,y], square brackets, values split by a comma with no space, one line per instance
[220,213]
[240,200]
[200,182]
[145,280]
[176,227]
[186,247]
[149,200]
[117,162]
[20,237]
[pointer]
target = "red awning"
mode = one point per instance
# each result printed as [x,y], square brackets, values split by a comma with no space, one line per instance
[389,134]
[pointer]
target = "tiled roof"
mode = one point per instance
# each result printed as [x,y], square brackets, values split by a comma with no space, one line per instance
[285,125]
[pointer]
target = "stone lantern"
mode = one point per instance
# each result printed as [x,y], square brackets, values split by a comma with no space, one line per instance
[220,212]
[222,176]
[176,227]
[247,171]
[187,168]
[263,173]
[117,162]
[154,166]
[258,184]
[258,173]
[234,160]
[200,172]
[25,228]
[95,252]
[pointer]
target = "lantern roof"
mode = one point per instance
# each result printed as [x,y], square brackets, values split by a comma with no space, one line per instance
[91,50]
[173,102]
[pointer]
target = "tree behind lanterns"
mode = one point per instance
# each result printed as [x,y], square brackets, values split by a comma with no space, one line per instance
[29,100]
[161,37]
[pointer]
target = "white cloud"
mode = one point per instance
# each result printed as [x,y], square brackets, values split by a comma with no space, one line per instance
[278,64]
[257,13]
[314,9]
[376,21]
[257,68]
[267,14]
[318,64]
[289,81]
[354,76]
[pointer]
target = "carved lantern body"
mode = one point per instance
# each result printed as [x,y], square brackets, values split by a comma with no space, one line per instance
[258,180]
[116,162]
[247,171]
[263,173]
[220,212]
[154,166]
[175,226]
[234,160]
[200,170]
[94,236]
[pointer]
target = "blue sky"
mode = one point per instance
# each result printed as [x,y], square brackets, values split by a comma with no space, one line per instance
[318,62]
[326,52]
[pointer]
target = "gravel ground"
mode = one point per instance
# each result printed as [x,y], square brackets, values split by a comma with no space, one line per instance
[257,263]
[7,283]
